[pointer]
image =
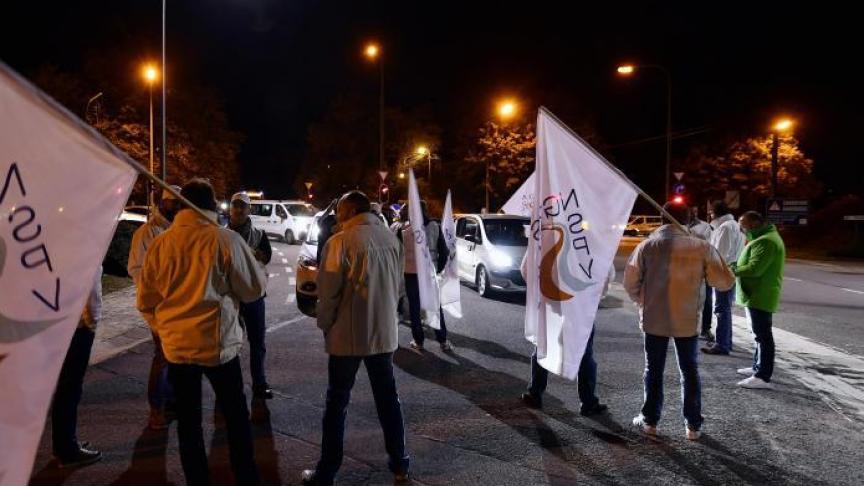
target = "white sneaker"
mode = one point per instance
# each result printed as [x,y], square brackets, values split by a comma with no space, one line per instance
[639,422]
[415,346]
[755,383]
[746,371]
[692,434]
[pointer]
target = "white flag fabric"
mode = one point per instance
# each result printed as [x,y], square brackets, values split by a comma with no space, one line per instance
[62,188]
[522,201]
[451,298]
[429,298]
[582,206]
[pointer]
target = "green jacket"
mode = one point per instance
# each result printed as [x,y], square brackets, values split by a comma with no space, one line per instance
[760,269]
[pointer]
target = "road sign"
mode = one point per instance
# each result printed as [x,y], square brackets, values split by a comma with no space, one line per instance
[787,211]
[308,186]
[678,175]
[678,188]
[732,199]
[854,217]
[383,174]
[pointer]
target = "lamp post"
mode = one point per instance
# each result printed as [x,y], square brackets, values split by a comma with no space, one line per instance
[630,69]
[150,75]
[506,110]
[781,126]
[372,52]
[423,151]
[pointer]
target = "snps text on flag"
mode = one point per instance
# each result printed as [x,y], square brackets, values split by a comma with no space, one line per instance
[556,206]
[26,232]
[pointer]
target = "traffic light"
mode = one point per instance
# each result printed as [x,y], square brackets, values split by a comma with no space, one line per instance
[678,199]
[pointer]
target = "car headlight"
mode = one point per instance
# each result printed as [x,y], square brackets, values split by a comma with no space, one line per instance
[500,259]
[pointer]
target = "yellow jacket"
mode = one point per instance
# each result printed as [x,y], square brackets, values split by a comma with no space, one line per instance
[193,277]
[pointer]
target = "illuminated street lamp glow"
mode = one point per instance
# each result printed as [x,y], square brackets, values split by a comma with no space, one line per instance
[372,50]
[783,125]
[401,175]
[507,109]
[422,150]
[150,73]
[626,69]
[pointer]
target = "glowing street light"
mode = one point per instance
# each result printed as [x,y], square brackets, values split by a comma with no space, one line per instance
[507,109]
[626,69]
[372,50]
[783,125]
[150,75]
[422,150]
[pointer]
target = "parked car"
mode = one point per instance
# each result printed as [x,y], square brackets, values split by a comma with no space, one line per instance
[489,251]
[306,270]
[286,220]
[642,225]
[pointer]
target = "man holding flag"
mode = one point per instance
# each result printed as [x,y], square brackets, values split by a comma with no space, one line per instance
[581,206]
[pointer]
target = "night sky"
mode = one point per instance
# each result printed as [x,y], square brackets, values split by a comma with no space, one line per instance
[278,64]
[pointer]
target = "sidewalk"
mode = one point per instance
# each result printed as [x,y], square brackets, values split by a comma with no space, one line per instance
[121,328]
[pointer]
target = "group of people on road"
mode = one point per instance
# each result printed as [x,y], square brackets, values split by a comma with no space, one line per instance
[201,289]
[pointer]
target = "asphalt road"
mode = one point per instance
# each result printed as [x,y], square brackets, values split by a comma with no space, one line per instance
[465,423]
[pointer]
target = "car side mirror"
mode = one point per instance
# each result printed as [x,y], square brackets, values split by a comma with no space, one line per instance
[471,238]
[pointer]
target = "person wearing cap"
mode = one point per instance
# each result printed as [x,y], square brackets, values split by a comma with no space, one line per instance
[252,314]
[159,393]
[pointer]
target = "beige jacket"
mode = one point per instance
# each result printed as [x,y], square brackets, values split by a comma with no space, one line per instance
[666,277]
[141,240]
[193,278]
[358,288]
[92,313]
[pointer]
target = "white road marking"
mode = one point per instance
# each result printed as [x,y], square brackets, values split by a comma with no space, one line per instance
[291,298]
[852,290]
[292,281]
[280,325]
[793,279]
[289,269]
[285,261]
[833,374]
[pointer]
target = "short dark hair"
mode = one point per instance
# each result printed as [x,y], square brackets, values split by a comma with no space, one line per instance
[719,208]
[200,193]
[680,212]
[754,216]
[358,201]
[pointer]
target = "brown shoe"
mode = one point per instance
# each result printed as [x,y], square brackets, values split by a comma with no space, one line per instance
[157,420]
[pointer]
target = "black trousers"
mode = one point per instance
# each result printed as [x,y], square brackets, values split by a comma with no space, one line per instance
[227,383]
[64,407]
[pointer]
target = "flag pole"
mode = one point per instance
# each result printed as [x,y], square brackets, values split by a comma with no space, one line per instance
[616,170]
[37,95]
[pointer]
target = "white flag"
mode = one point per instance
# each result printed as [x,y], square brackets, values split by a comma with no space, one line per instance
[522,201]
[429,299]
[582,206]
[451,299]
[62,187]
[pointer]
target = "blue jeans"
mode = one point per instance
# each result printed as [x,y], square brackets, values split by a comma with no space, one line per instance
[763,356]
[706,310]
[723,310]
[159,392]
[691,387]
[64,407]
[341,373]
[227,382]
[412,290]
[586,377]
[253,318]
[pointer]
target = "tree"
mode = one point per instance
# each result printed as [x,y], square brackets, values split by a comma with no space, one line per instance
[745,166]
[508,149]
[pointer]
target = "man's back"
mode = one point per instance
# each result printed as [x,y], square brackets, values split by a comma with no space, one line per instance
[193,275]
[358,288]
[666,275]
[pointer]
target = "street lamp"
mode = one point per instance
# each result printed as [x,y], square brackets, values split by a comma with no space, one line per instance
[150,75]
[372,51]
[630,69]
[506,109]
[423,151]
[782,125]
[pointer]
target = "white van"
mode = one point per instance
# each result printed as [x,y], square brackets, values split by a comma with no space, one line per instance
[286,220]
[489,251]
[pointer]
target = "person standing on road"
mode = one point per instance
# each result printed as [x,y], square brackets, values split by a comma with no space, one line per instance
[193,277]
[252,315]
[665,276]
[760,282]
[159,393]
[439,252]
[586,379]
[728,239]
[68,451]
[702,230]
[358,287]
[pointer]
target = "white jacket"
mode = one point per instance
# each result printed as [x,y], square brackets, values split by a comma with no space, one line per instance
[727,238]
[141,240]
[193,278]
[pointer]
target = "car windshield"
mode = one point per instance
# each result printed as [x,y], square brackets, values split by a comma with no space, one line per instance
[508,232]
[301,210]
